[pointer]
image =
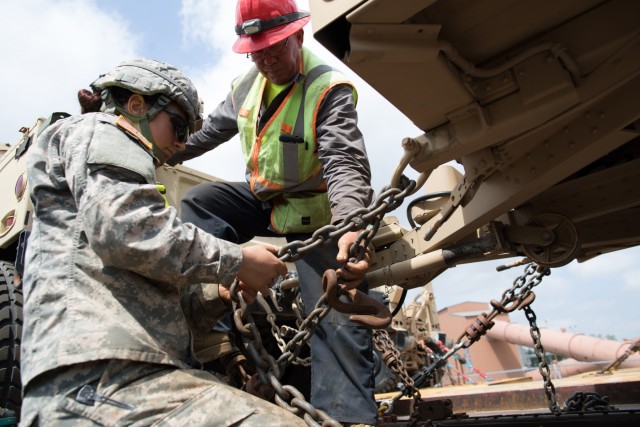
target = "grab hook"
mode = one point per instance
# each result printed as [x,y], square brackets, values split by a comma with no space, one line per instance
[365,310]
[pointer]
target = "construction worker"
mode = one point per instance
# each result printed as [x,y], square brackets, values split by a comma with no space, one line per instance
[105,341]
[306,167]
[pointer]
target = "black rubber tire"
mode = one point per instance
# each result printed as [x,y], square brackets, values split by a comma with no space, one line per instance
[10,338]
[386,379]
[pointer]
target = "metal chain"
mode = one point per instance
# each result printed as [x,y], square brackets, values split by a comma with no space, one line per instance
[279,333]
[388,200]
[392,357]
[269,370]
[587,402]
[521,292]
[543,366]
[519,296]
[616,363]
[521,289]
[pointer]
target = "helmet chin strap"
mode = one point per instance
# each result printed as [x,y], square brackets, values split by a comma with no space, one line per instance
[142,122]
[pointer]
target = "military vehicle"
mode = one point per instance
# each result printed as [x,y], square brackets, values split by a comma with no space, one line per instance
[537,103]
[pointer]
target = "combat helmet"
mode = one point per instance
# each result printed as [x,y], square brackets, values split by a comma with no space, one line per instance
[149,77]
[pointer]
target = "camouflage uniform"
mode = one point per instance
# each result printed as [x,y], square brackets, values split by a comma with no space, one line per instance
[105,266]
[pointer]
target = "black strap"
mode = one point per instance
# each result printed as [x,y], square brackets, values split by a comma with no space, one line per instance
[267,24]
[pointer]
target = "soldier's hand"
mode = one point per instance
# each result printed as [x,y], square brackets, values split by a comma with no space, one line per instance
[260,268]
[352,274]
[224,291]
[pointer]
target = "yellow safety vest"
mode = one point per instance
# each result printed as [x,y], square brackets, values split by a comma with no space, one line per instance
[283,158]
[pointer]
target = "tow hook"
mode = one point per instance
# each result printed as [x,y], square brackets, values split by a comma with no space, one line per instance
[365,310]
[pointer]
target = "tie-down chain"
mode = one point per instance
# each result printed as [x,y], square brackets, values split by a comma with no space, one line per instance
[364,309]
[519,296]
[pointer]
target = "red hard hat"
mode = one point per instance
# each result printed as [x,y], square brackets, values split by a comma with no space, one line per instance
[263,23]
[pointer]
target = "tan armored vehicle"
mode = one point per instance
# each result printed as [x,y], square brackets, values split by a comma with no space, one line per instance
[536,101]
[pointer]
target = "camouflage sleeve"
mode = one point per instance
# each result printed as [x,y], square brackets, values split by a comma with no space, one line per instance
[129,227]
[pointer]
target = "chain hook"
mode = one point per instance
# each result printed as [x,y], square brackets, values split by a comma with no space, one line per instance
[514,304]
[365,310]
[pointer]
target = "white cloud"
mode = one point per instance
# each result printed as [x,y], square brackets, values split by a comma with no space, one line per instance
[50,50]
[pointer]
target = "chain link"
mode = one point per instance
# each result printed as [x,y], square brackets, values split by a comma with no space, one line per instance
[587,402]
[388,200]
[519,296]
[543,366]
[268,369]
[392,357]
[616,363]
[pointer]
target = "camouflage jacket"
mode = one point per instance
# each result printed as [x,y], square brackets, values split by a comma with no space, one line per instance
[106,259]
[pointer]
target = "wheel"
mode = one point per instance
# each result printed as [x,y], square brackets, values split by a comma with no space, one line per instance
[386,379]
[565,245]
[10,338]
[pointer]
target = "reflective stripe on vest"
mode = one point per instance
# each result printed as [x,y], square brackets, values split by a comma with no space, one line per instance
[283,158]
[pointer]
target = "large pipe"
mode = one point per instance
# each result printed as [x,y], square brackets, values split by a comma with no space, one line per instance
[569,367]
[576,346]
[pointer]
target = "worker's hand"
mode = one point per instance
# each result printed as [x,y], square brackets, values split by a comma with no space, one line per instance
[353,273]
[260,269]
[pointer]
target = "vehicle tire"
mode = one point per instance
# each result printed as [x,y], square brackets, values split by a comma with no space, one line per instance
[10,338]
[386,379]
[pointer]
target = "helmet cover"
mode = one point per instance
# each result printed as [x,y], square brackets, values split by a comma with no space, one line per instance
[150,77]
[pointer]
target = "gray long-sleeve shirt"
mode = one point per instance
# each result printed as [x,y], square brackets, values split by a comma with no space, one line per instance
[341,148]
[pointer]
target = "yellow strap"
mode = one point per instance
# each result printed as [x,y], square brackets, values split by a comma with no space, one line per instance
[163,191]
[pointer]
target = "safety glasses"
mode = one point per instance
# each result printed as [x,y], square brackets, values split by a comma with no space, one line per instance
[270,51]
[179,123]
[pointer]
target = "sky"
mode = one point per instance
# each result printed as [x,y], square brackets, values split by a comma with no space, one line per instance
[49,49]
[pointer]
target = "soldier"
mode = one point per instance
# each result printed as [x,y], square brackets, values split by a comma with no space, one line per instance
[306,167]
[105,341]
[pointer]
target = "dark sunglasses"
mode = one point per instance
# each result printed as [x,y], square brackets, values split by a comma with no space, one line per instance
[179,123]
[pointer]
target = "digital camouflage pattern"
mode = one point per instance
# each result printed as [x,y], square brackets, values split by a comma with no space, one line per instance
[106,264]
[154,395]
[151,77]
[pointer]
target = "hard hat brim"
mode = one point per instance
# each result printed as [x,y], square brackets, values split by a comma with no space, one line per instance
[264,39]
